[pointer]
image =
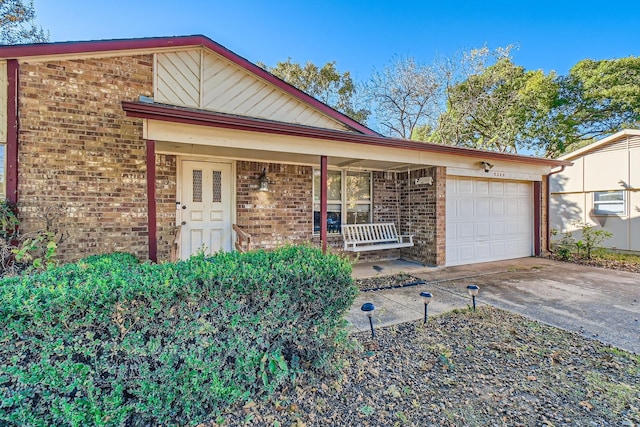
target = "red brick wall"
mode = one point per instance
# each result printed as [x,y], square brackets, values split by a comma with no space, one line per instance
[165,204]
[79,151]
[415,209]
[284,214]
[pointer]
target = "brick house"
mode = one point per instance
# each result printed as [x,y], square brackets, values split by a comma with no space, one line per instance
[160,144]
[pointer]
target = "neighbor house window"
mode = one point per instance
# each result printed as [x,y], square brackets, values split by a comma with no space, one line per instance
[609,202]
[348,199]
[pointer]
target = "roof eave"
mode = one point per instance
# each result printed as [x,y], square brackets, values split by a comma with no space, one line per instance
[597,144]
[212,119]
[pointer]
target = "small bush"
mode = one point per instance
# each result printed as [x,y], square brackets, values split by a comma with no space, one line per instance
[33,251]
[591,241]
[109,341]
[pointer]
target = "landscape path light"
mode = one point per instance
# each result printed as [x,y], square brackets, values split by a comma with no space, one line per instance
[473,291]
[426,299]
[368,309]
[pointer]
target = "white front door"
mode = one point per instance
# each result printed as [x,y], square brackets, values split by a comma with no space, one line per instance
[205,211]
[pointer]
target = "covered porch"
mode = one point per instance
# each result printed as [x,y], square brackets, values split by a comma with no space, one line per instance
[287,188]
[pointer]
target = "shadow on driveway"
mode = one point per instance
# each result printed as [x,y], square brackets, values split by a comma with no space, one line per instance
[593,302]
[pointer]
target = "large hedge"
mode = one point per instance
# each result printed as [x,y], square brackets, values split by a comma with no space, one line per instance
[110,341]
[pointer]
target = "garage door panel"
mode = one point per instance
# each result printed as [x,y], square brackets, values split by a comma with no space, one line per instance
[488,220]
[512,207]
[465,206]
[523,227]
[466,253]
[483,250]
[524,189]
[519,248]
[496,188]
[497,229]
[465,231]
[483,230]
[511,188]
[498,250]
[483,207]
[497,207]
[524,207]
[512,228]
[465,186]
[482,188]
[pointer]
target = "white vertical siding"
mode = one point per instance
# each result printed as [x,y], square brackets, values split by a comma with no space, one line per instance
[201,79]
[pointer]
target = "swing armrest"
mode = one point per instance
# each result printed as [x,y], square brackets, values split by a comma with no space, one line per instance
[406,238]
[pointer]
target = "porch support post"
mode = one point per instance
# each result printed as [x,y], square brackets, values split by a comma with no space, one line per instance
[12,131]
[152,226]
[323,202]
[537,216]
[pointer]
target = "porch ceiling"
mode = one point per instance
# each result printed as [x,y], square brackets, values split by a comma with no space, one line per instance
[281,157]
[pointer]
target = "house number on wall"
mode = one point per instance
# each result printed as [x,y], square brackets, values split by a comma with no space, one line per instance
[500,174]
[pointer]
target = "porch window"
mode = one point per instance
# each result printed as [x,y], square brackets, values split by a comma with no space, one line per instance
[609,202]
[348,199]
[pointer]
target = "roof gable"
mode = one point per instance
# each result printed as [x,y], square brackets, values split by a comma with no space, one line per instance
[202,79]
[182,43]
[623,140]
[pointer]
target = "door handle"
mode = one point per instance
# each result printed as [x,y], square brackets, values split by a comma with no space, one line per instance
[184,223]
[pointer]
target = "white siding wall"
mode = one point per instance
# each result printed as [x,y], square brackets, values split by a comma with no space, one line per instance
[606,170]
[634,220]
[201,79]
[615,166]
[634,173]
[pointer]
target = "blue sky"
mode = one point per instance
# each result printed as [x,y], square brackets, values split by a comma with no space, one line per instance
[363,35]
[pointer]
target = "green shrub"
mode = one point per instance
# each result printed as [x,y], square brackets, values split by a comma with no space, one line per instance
[590,242]
[33,251]
[109,341]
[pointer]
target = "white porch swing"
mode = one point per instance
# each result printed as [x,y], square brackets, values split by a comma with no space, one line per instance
[378,236]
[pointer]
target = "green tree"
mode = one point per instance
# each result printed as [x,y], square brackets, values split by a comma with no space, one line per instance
[17,23]
[596,98]
[500,108]
[326,84]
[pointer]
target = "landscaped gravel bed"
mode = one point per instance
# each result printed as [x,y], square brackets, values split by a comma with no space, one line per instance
[464,368]
[377,283]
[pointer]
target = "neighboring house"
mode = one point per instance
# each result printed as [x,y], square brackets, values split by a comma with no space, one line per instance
[163,144]
[601,189]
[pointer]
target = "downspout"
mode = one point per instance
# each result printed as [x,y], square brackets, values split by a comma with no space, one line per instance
[13,69]
[548,203]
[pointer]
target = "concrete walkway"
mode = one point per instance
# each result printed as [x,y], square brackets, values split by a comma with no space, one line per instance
[594,302]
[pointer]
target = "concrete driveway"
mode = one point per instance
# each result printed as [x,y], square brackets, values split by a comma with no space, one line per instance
[593,302]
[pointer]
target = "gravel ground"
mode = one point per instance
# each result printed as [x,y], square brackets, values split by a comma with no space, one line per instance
[377,283]
[464,368]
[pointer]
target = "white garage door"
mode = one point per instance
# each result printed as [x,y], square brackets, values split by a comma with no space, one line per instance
[488,220]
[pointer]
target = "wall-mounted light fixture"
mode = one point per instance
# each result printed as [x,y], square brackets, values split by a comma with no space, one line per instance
[264,181]
[486,166]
